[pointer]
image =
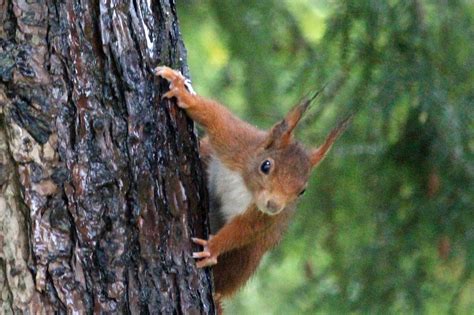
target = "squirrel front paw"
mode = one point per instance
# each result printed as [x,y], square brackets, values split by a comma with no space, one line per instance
[180,87]
[207,258]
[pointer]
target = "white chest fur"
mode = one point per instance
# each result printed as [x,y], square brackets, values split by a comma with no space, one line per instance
[228,188]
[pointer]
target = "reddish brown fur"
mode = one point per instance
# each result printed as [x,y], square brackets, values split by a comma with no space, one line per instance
[240,243]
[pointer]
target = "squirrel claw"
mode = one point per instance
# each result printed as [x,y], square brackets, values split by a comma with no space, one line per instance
[207,262]
[168,74]
[179,86]
[203,254]
[169,94]
[158,71]
[199,241]
[207,258]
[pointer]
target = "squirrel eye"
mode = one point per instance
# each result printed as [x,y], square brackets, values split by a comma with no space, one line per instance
[302,192]
[266,166]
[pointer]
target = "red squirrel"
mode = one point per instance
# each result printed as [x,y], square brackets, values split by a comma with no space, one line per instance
[254,179]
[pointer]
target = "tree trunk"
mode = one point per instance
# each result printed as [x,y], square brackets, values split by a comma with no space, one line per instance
[101,188]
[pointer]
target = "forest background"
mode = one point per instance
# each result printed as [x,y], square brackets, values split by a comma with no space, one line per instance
[387,223]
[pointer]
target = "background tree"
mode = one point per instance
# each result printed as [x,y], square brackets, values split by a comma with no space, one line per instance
[387,224]
[101,188]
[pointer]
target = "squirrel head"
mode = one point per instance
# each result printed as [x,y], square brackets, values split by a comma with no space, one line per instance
[278,172]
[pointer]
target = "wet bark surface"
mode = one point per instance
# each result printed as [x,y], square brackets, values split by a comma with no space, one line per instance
[100,183]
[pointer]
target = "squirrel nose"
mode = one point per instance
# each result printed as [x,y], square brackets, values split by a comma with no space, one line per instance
[273,206]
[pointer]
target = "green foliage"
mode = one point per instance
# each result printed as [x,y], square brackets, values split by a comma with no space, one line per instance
[387,225]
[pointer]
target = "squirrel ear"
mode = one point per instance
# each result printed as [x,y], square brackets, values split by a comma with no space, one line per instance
[281,133]
[318,154]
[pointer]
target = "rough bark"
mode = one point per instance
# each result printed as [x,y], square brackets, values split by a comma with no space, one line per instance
[100,183]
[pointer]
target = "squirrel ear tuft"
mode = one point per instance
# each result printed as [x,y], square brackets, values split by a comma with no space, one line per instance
[318,154]
[282,132]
